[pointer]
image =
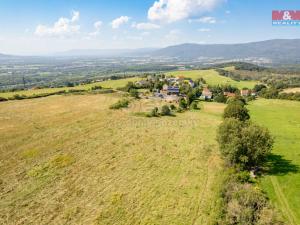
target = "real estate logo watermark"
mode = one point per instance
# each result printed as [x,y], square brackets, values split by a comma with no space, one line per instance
[286,17]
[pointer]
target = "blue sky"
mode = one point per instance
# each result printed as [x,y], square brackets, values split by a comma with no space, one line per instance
[43,26]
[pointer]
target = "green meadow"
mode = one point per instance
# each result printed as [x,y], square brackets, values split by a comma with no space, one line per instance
[213,78]
[282,182]
[105,84]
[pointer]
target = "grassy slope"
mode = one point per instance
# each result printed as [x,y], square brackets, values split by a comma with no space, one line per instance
[213,78]
[105,84]
[70,160]
[283,183]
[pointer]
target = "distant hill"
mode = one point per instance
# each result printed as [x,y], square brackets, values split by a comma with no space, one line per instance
[279,51]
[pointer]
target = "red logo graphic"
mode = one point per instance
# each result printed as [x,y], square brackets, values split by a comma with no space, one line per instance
[286,15]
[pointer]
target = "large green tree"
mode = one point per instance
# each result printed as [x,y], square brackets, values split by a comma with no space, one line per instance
[244,144]
[236,111]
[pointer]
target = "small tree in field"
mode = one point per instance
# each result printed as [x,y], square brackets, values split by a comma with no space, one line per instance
[134,93]
[182,103]
[236,111]
[165,111]
[154,112]
[244,144]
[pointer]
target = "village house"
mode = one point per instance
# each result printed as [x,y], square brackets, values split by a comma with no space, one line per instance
[191,83]
[245,93]
[229,94]
[170,90]
[142,83]
[206,94]
[173,90]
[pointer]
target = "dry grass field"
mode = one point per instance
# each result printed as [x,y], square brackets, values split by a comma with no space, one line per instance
[292,90]
[71,160]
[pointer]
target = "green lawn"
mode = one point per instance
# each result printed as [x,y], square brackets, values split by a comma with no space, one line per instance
[283,182]
[213,78]
[105,84]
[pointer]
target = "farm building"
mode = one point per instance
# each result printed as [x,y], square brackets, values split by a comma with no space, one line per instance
[206,94]
[229,94]
[173,90]
[245,92]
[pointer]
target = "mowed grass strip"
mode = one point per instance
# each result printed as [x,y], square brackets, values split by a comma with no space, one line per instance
[71,160]
[114,84]
[283,182]
[213,78]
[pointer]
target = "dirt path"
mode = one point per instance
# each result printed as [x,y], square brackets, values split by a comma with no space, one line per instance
[283,201]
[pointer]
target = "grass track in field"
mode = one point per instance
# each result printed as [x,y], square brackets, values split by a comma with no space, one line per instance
[283,184]
[213,78]
[71,160]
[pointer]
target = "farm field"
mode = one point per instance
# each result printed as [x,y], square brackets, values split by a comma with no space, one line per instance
[292,90]
[213,78]
[105,84]
[71,160]
[283,182]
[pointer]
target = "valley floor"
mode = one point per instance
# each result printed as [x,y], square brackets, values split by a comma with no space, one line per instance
[71,160]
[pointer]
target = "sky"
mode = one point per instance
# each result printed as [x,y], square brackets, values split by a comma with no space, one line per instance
[38,27]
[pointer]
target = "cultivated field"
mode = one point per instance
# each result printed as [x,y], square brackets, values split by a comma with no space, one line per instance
[292,90]
[213,78]
[283,181]
[105,84]
[71,160]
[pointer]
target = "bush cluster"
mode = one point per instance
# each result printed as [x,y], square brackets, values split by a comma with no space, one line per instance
[244,203]
[164,111]
[123,103]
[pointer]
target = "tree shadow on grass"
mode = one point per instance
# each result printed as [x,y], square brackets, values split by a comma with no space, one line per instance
[277,165]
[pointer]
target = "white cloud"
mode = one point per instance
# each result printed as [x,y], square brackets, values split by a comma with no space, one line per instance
[206,19]
[63,27]
[145,26]
[116,23]
[97,26]
[204,30]
[75,16]
[175,10]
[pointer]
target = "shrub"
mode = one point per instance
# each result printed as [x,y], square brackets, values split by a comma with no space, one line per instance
[243,203]
[194,105]
[172,107]
[3,99]
[236,100]
[165,111]
[96,88]
[134,93]
[236,111]
[123,103]
[182,103]
[221,98]
[244,144]
[180,110]
[154,112]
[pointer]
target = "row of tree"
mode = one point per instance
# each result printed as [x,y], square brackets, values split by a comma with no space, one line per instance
[245,147]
